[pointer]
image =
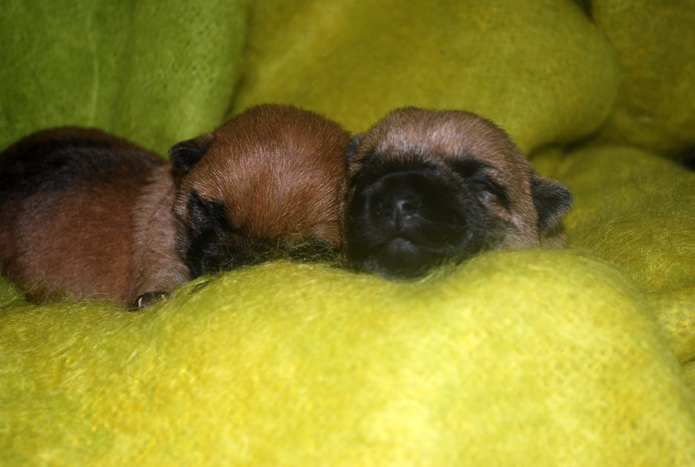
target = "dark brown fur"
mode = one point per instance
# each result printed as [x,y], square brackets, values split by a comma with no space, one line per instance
[427,186]
[265,183]
[86,214]
[93,216]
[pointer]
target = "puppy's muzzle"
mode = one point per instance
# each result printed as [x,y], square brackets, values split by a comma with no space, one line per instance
[404,222]
[396,210]
[415,208]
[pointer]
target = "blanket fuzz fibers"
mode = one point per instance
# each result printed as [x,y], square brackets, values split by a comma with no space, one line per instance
[515,358]
[636,210]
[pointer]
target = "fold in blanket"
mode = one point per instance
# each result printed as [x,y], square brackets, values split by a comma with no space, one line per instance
[578,357]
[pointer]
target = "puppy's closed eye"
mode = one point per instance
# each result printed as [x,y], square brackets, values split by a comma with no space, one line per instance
[478,176]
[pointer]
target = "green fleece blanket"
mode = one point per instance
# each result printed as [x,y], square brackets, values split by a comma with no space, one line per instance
[543,358]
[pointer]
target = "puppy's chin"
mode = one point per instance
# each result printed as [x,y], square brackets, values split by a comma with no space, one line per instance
[233,252]
[400,259]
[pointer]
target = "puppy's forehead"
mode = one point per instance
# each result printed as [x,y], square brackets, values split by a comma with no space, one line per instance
[440,134]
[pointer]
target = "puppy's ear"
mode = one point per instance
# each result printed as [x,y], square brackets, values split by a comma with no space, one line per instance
[186,154]
[352,147]
[552,200]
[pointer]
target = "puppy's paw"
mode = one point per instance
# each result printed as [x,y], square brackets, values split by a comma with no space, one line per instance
[147,299]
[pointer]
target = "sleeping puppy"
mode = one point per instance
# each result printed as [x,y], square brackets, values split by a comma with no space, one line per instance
[429,186]
[87,214]
[269,183]
[95,216]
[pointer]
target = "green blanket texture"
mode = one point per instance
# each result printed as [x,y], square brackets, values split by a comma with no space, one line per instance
[583,356]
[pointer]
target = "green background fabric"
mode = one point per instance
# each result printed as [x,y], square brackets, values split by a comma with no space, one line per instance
[637,211]
[545,358]
[150,71]
[656,106]
[510,62]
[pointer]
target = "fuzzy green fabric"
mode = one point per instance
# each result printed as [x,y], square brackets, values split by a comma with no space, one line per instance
[654,40]
[542,358]
[510,62]
[528,358]
[637,211]
[150,71]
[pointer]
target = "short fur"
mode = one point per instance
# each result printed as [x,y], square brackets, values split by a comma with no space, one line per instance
[427,186]
[269,182]
[91,215]
[86,214]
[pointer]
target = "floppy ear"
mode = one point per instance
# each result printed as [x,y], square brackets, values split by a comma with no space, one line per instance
[352,147]
[186,154]
[552,200]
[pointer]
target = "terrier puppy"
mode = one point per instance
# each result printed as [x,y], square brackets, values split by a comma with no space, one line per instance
[270,183]
[429,186]
[87,214]
[99,217]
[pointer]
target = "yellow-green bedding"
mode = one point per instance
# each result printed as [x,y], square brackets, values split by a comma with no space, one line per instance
[578,357]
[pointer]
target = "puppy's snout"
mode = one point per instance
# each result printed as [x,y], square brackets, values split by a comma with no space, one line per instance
[398,206]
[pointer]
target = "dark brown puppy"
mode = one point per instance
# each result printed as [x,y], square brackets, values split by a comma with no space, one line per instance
[269,182]
[87,214]
[428,186]
[99,217]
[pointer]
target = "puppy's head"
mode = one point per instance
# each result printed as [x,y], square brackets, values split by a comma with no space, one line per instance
[427,186]
[270,181]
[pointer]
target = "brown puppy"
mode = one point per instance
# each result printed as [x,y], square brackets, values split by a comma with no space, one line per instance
[98,217]
[269,182]
[86,213]
[428,186]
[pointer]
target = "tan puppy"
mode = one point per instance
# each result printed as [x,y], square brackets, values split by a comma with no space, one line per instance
[86,214]
[268,183]
[99,217]
[428,186]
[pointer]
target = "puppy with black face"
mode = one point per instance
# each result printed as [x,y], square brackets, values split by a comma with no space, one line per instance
[430,186]
[269,183]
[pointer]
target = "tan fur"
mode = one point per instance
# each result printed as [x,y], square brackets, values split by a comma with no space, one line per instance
[437,135]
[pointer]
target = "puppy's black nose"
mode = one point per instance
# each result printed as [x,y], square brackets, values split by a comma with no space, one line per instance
[396,207]
[400,205]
